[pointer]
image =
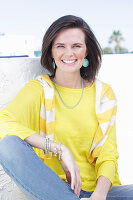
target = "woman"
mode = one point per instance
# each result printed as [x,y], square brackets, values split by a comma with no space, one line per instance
[68,117]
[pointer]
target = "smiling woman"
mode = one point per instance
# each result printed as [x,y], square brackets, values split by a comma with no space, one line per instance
[81,39]
[68,52]
[68,113]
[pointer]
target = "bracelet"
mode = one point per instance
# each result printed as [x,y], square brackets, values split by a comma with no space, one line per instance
[47,145]
[56,150]
[59,152]
[45,149]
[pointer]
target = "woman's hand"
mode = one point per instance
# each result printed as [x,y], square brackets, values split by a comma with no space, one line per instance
[95,196]
[71,169]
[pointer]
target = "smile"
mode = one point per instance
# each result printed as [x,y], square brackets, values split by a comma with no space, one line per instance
[69,61]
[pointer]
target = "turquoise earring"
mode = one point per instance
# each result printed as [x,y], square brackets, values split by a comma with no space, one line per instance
[53,64]
[86,62]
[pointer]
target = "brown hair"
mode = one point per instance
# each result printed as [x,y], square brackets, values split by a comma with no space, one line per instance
[93,48]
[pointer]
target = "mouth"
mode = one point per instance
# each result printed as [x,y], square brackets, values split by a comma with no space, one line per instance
[69,61]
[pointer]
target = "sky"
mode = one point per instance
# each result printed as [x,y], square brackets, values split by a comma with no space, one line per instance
[33,17]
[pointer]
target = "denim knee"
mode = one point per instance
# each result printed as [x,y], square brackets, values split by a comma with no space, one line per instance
[9,138]
[8,144]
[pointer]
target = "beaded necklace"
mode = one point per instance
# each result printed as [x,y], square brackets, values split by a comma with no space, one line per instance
[70,107]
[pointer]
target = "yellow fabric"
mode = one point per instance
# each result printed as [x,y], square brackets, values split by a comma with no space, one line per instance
[75,128]
[105,103]
[33,111]
[21,116]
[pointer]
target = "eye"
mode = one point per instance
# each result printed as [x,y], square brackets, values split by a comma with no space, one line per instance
[60,46]
[76,46]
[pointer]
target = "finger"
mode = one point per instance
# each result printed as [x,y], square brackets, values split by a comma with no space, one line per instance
[68,176]
[78,183]
[73,180]
[79,188]
[85,199]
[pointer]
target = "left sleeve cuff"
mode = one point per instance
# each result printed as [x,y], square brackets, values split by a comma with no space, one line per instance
[107,169]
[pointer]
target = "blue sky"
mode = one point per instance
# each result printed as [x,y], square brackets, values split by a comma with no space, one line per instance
[33,17]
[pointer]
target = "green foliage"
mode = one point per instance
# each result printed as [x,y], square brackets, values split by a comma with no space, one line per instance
[123,50]
[107,50]
[116,38]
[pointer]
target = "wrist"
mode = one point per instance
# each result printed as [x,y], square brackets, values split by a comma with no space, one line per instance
[102,187]
[96,194]
[56,149]
[53,145]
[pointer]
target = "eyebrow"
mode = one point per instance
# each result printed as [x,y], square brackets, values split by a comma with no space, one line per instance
[64,44]
[59,44]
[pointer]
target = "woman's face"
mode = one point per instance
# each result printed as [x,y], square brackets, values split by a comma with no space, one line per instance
[69,50]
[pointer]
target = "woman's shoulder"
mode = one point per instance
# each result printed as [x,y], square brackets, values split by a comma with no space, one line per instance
[37,82]
[33,85]
[42,84]
[105,88]
[102,83]
[31,90]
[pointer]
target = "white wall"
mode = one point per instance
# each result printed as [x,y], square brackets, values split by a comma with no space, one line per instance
[117,70]
[15,45]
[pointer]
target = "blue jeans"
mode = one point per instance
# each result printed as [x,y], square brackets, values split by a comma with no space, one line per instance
[37,180]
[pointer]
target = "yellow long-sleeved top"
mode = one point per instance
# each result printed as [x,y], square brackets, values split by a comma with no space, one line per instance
[22,118]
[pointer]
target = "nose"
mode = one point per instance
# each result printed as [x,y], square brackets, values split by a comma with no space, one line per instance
[69,52]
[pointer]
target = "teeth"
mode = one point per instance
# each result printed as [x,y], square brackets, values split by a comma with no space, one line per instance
[68,61]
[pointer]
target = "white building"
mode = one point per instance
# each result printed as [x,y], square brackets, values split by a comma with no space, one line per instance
[17,45]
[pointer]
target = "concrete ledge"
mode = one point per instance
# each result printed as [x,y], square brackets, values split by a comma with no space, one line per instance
[8,189]
[14,73]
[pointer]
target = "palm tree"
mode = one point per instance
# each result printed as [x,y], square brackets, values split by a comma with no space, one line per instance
[117,38]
